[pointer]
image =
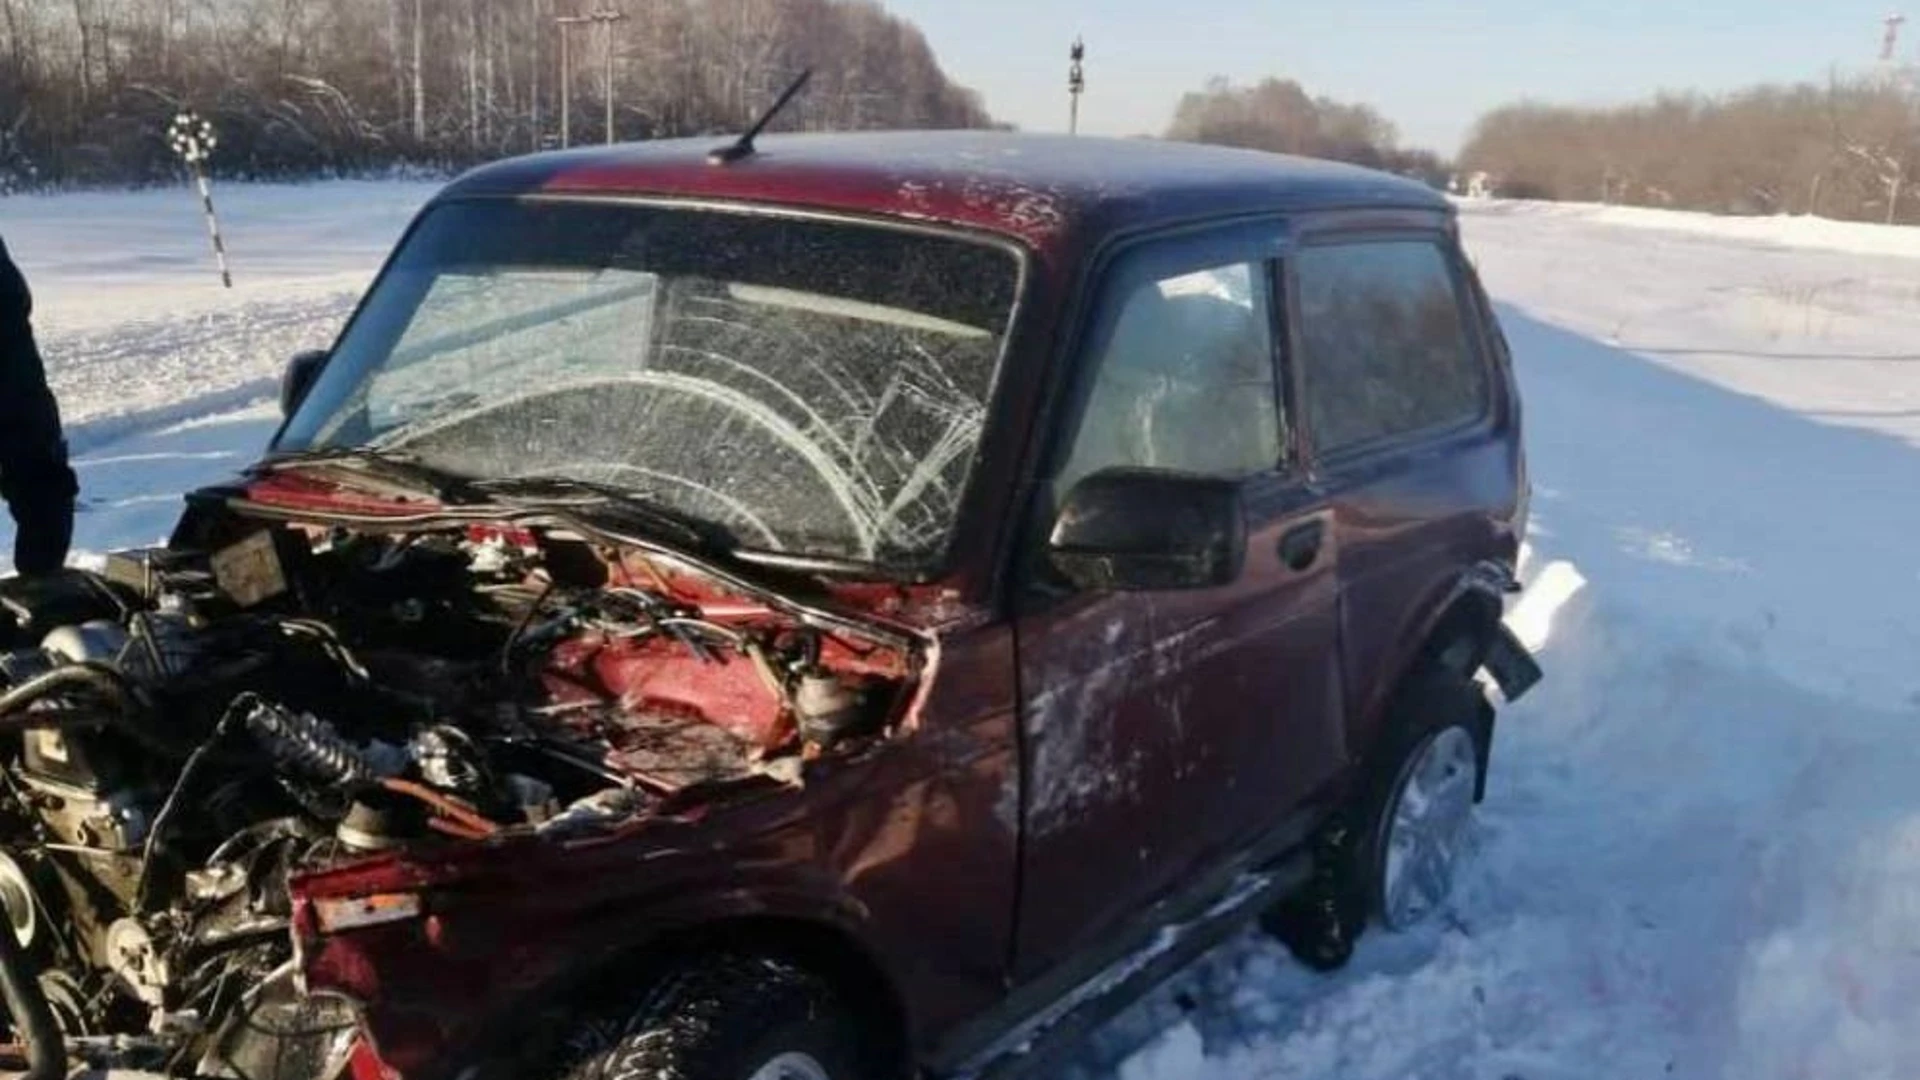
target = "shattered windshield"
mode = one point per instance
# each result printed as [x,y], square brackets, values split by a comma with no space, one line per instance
[807,386]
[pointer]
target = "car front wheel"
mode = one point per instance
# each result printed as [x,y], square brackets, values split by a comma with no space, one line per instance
[726,1017]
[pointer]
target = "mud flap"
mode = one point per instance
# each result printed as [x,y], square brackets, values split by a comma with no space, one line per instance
[1513,668]
[1320,921]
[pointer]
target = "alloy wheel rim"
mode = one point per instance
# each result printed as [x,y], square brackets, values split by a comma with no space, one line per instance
[1426,824]
[792,1066]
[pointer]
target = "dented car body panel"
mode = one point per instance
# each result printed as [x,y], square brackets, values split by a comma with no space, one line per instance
[832,680]
[501,929]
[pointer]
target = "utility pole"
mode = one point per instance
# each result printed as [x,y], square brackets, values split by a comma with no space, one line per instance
[606,17]
[533,77]
[1076,84]
[1892,40]
[566,80]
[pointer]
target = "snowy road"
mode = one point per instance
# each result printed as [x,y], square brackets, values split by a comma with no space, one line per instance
[1701,853]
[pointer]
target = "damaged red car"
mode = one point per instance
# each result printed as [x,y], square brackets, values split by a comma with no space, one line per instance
[847,608]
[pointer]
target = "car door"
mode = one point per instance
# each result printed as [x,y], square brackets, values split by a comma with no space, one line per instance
[1401,418]
[1164,730]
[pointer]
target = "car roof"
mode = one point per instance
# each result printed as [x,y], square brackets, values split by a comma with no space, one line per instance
[1040,189]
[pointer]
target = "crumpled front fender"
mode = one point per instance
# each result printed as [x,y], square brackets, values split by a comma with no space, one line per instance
[438,978]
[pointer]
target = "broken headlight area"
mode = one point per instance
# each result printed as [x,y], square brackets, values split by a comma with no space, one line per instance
[185,735]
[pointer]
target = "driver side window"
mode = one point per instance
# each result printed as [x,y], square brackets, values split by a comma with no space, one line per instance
[1183,379]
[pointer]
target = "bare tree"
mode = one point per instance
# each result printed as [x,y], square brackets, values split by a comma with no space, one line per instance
[419,79]
[1847,149]
[306,86]
[83,25]
[1278,115]
[393,56]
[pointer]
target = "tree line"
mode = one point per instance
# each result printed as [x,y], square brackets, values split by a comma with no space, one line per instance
[1846,149]
[319,87]
[1278,115]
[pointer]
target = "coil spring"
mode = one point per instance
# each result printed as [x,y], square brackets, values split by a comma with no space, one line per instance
[309,746]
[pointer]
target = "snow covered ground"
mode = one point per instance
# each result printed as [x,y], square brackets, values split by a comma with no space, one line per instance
[1795,231]
[164,377]
[1700,856]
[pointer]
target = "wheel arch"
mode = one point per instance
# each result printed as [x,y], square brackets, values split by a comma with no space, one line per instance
[1457,633]
[1453,635]
[821,944]
[822,947]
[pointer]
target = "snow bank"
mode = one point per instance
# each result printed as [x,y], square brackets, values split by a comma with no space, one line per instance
[1685,869]
[99,260]
[1828,336]
[1783,230]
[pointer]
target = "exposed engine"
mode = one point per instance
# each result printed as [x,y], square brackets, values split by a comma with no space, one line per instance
[186,733]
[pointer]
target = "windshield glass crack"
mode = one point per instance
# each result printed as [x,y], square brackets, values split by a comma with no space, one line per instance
[806,387]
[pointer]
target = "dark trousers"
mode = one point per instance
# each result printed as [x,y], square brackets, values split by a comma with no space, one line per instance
[35,478]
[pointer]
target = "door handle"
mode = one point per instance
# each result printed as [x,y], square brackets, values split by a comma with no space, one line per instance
[1300,546]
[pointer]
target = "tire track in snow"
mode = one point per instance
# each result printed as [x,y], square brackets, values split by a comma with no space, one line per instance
[146,375]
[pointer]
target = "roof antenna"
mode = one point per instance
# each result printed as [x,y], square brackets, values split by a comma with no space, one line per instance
[743,147]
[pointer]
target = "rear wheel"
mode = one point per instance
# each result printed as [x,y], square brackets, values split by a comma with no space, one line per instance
[1422,827]
[726,1017]
[1393,852]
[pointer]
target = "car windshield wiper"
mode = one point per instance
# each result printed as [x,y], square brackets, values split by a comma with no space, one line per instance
[587,498]
[401,471]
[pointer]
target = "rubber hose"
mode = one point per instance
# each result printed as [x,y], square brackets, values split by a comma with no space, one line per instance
[32,1016]
[130,715]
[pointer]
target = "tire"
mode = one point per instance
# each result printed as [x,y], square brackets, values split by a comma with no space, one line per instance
[1436,739]
[724,1017]
[1435,750]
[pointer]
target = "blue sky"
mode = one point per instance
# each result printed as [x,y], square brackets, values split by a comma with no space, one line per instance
[1431,66]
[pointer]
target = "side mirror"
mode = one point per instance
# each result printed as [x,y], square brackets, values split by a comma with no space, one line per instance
[298,378]
[1139,529]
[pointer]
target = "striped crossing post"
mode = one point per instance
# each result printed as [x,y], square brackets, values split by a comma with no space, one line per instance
[193,139]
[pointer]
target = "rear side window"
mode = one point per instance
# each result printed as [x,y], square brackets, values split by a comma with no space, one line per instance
[1183,380]
[1384,344]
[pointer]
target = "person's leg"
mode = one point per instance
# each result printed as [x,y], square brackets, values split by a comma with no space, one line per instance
[35,478]
[42,501]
